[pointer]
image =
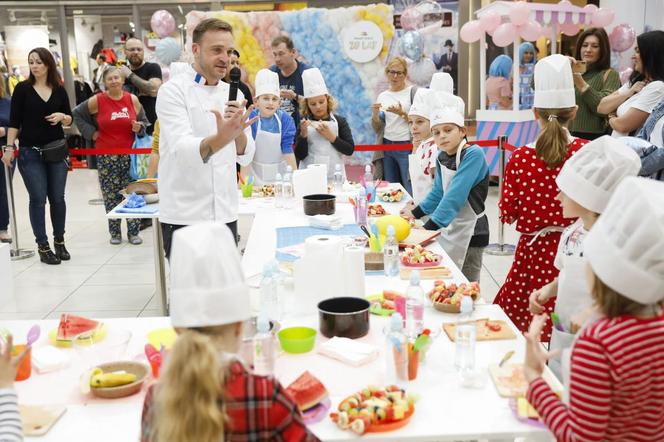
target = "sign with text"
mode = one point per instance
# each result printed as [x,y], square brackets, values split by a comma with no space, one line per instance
[362,41]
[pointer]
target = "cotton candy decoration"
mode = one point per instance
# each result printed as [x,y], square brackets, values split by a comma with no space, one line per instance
[622,37]
[162,23]
[490,21]
[504,35]
[420,72]
[471,31]
[569,29]
[411,45]
[530,31]
[519,13]
[603,17]
[625,74]
[168,50]
[411,19]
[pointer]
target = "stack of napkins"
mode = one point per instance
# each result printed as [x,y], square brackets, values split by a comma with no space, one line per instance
[329,222]
[348,351]
[47,359]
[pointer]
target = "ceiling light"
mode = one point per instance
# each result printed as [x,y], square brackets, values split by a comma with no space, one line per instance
[180,9]
[77,11]
[12,16]
[131,23]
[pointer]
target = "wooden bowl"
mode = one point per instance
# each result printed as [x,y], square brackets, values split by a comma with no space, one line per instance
[139,369]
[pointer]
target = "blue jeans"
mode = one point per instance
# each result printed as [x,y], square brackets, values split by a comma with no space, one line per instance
[44,180]
[4,205]
[395,166]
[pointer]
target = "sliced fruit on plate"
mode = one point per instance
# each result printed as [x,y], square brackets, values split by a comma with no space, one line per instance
[419,256]
[72,327]
[307,391]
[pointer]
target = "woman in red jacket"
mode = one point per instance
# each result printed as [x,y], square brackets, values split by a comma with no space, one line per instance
[529,191]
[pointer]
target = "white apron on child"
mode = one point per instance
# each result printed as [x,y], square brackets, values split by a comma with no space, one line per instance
[455,238]
[321,150]
[268,156]
[420,181]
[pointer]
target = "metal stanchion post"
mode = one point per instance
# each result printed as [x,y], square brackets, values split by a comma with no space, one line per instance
[15,253]
[500,248]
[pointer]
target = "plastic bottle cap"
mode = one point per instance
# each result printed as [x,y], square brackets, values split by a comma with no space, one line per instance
[390,230]
[363,193]
[367,168]
[414,276]
[289,168]
[263,324]
[279,177]
[338,167]
[466,304]
[396,322]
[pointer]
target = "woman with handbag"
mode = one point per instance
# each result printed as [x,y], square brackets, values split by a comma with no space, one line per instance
[39,109]
[117,123]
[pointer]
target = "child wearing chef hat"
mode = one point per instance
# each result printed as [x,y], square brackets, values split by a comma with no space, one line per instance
[205,392]
[442,82]
[528,195]
[614,372]
[586,183]
[274,131]
[455,204]
[325,136]
[422,162]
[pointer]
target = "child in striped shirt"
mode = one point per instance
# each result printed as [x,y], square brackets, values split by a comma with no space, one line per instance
[614,373]
[11,429]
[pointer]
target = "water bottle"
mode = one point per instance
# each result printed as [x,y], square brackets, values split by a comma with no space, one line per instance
[368,176]
[391,254]
[264,348]
[278,191]
[414,306]
[269,300]
[465,337]
[362,208]
[338,179]
[396,353]
[288,197]
[280,287]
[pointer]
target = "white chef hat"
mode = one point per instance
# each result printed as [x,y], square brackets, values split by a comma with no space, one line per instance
[554,84]
[267,82]
[590,176]
[624,247]
[207,282]
[442,81]
[446,108]
[420,106]
[314,83]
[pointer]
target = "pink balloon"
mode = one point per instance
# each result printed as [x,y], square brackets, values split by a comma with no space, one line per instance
[411,19]
[545,32]
[162,23]
[622,37]
[165,73]
[590,9]
[569,29]
[603,17]
[530,31]
[490,21]
[519,13]
[504,35]
[625,74]
[471,31]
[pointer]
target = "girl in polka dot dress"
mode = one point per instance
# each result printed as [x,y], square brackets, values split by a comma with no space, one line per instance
[529,191]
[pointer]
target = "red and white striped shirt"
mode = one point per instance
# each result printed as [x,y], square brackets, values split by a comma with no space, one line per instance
[616,385]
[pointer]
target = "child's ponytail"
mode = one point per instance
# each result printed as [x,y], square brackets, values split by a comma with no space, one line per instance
[551,144]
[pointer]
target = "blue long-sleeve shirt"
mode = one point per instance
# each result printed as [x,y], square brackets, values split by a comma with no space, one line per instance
[272,125]
[470,184]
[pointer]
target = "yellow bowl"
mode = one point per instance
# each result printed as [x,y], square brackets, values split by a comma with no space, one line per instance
[165,336]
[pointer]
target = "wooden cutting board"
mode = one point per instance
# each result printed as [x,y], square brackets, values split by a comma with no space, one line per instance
[511,382]
[38,419]
[419,236]
[483,333]
[439,272]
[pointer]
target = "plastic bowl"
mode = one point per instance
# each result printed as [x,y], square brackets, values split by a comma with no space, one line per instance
[297,339]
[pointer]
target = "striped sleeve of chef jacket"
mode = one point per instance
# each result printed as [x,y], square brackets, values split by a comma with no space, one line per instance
[11,429]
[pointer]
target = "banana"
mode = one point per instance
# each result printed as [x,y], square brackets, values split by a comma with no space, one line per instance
[99,379]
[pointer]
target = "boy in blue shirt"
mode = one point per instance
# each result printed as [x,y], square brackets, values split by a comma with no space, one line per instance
[455,204]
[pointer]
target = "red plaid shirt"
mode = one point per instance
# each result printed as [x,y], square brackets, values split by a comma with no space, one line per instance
[258,408]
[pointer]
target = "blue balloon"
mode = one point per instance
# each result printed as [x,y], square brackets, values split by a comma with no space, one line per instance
[412,45]
[168,50]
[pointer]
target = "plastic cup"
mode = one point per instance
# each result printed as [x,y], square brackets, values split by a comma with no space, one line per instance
[371,194]
[247,190]
[25,369]
[413,362]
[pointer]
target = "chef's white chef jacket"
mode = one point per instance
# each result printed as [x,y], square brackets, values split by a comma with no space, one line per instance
[191,191]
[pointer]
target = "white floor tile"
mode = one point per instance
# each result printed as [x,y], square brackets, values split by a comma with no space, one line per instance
[110,275]
[151,313]
[36,299]
[130,254]
[14,316]
[96,314]
[111,297]
[64,274]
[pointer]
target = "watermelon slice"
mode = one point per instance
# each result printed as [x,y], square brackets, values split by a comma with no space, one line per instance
[72,327]
[307,391]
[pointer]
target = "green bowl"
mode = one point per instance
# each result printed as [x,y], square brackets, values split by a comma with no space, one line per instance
[297,339]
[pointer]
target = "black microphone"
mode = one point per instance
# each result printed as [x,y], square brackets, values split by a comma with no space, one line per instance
[235,83]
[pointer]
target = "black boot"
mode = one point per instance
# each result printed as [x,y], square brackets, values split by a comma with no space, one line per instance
[60,249]
[46,255]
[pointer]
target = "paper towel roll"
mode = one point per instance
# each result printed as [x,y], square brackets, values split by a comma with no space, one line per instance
[320,167]
[354,271]
[319,273]
[309,182]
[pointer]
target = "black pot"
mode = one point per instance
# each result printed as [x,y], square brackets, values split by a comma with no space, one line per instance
[319,204]
[345,317]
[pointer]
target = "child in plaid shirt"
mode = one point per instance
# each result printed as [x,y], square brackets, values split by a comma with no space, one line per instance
[205,393]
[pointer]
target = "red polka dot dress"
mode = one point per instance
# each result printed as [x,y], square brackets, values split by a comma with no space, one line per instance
[528,197]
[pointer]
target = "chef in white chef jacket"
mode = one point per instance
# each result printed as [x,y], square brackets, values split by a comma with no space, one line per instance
[202,136]
[273,133]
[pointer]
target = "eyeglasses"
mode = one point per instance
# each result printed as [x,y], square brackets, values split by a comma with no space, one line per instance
[397,73]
